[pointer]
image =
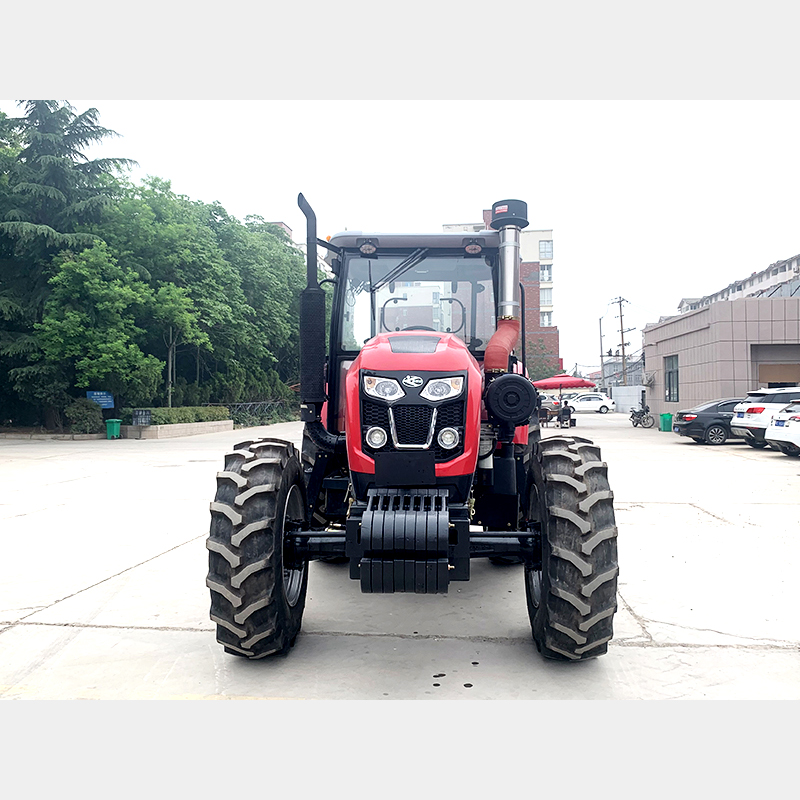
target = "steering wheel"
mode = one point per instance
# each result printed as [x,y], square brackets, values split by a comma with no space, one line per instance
[419,328]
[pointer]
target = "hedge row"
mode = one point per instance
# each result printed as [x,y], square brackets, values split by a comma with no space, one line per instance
[173,416]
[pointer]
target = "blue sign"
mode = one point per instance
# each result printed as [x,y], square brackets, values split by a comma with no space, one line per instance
[103,399]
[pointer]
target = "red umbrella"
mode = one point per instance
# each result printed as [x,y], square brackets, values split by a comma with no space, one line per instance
[564,382]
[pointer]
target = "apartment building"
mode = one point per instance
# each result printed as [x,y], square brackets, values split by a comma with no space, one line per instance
[536,277]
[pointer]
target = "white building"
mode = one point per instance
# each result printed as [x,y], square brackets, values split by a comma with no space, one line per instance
[535,246]
[758,284]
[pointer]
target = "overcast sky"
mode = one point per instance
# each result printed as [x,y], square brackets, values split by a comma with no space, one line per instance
[651,200]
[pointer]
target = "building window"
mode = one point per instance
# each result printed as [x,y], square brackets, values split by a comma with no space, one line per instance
[545,274]
[545,297]
[545,250]
[671,379]
[545,319]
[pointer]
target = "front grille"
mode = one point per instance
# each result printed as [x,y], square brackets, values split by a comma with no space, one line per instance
[412,423]
[374,414]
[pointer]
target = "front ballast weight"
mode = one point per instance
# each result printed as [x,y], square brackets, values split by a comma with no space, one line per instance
[402,542]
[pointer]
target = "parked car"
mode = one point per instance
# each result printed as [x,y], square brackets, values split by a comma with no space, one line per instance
[591,401]
[550,403]
[709,422]
[753,414]
[783,431]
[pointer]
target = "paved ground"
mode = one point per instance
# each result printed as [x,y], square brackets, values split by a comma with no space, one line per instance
[102,590]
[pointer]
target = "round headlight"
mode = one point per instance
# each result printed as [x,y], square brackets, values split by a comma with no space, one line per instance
[442,388]
[376,438]
[473,248]
[448,438]
[367,248]
[383,388]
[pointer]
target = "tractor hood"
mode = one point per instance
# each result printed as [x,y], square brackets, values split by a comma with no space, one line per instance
[415,350]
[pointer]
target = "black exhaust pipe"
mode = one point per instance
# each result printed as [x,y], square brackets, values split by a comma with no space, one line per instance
[312,327]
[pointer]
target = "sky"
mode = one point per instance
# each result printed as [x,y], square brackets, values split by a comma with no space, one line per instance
[665,168]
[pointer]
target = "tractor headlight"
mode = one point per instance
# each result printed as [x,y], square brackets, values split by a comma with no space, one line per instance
[376,438]
[443,388]
[383,388]
[448,438]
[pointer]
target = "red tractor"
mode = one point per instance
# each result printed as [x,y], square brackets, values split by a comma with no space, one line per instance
[421,450]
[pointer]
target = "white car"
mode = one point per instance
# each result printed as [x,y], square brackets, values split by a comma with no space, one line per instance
[751,417]
[591,401]
[783,431]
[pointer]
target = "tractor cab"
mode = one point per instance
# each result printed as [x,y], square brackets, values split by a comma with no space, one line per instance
[388,284]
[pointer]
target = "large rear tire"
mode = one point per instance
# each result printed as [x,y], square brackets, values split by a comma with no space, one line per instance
[258,584]
[572,596]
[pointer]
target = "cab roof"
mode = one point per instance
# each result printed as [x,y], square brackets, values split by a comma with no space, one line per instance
[454,239]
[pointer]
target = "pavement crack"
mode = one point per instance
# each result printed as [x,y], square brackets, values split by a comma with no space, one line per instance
[640,621]
[706,511]
[757,645]
[105,580]
[781,642]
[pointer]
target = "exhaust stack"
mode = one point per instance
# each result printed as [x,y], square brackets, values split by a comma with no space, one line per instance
[509,217]
[312,327]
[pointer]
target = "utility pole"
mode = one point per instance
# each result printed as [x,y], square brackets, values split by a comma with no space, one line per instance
[602,368]
[622,333]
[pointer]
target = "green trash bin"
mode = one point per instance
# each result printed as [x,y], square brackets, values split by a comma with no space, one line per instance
[112,428]
[666,422]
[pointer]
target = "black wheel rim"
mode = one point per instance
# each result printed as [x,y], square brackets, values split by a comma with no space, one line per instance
[293,569]
[534,578]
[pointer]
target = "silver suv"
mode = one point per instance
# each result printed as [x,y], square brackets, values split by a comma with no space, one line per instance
[751,417]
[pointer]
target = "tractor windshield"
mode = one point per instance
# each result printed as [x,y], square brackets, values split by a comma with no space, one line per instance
[449,293]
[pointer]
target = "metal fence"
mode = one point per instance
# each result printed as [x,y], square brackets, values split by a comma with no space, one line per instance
[261,412]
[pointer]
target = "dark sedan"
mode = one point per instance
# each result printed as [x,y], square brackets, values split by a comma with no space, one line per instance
[708,422]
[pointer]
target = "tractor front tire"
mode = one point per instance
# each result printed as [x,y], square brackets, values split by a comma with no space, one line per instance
[571,596]
[258,584]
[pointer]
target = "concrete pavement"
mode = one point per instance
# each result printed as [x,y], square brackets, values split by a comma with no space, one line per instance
[102,585]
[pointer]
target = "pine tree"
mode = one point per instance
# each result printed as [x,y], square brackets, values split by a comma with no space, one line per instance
[49,188]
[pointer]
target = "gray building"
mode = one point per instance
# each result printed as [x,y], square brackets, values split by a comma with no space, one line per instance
[723,349]
[617,374]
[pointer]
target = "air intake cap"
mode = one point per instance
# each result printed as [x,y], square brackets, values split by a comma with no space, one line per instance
[511,398]
[509,212]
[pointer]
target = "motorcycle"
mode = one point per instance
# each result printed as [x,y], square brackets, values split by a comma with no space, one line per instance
[642,416]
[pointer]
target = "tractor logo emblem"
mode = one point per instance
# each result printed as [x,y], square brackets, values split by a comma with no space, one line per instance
[412,381]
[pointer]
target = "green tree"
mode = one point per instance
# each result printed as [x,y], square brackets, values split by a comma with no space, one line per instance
[49,190]
[541,363]
[242,284]
[175,311]
[90,329]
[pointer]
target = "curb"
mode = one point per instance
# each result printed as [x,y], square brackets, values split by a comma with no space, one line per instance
[134,432]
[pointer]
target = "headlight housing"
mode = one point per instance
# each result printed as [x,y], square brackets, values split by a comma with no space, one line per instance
[376,437]
[443,388]
[387,389]
[448,438]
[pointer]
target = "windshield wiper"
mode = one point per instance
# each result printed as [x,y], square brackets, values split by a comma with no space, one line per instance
[405,265]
